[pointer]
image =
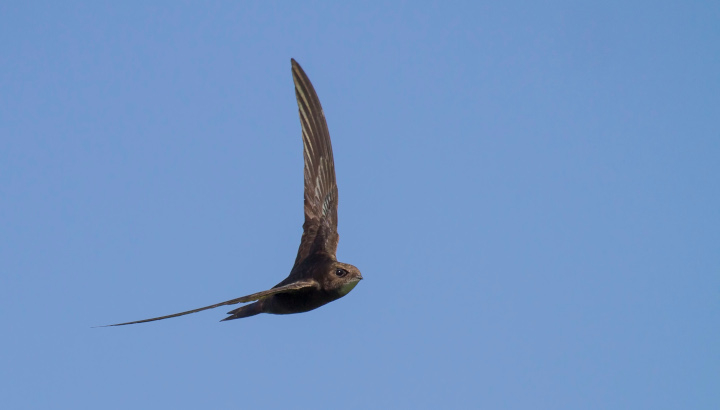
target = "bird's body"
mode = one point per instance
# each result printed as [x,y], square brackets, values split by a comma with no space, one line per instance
[316,278]
[313,269]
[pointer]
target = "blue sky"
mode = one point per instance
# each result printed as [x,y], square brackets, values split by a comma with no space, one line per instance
[531,190]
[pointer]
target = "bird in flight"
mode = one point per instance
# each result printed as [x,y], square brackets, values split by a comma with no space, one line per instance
[316,277]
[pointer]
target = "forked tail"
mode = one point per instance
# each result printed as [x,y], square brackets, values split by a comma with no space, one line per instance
[245,311]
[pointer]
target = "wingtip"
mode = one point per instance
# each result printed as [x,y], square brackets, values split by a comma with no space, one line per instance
[116,324]
[296,68]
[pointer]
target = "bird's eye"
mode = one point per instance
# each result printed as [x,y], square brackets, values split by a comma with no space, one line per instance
[341,272]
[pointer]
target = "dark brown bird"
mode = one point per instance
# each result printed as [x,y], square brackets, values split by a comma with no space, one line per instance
[317,277]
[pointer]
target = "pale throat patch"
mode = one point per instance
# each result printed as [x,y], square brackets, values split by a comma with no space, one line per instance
[346,288]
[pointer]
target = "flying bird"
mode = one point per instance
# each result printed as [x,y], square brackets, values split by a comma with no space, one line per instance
[316,278]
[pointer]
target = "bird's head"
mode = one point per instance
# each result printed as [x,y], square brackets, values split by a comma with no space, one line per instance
[341,278]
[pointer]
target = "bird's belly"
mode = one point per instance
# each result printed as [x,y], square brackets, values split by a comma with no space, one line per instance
[287,303]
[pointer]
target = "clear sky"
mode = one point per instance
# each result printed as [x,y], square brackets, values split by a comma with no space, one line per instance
[530,189]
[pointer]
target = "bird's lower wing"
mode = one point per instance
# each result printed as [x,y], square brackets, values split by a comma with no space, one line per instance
[293,287]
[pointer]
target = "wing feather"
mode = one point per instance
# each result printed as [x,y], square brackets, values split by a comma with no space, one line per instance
[293,287]
[321,194]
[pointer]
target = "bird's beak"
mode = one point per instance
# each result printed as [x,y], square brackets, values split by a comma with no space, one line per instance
[360,277]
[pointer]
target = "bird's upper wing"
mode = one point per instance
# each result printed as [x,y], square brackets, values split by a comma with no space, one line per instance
[292,287]
[321,193]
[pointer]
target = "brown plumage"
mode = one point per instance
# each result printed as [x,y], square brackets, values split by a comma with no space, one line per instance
[317,277]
